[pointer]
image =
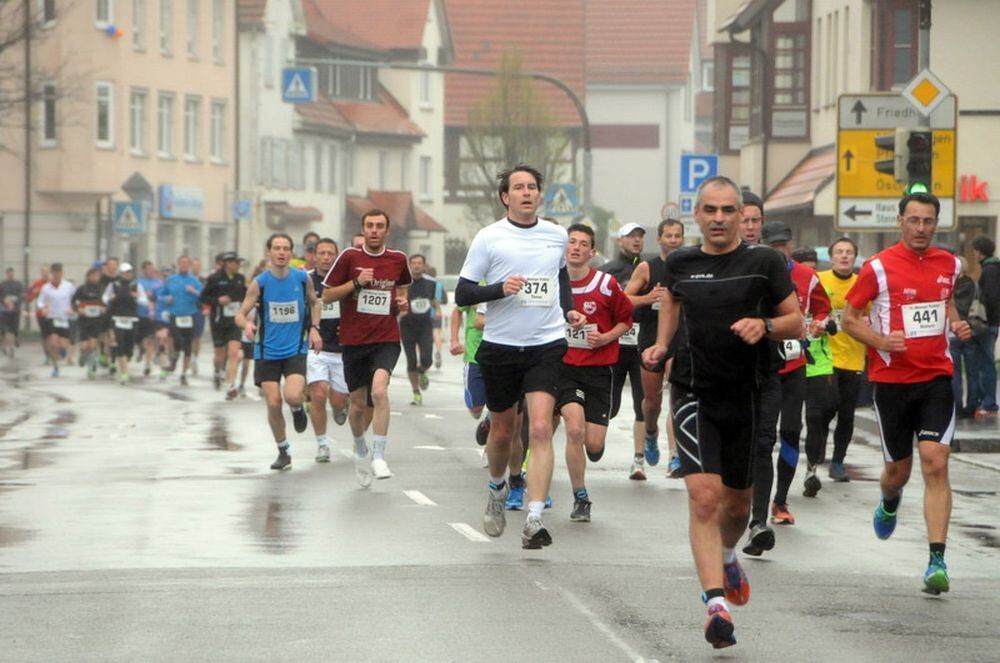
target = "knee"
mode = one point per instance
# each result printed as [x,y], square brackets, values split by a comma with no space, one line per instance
[737,509]
[540,431]
[935,469]
[704,503]
[576,432]
[380,394]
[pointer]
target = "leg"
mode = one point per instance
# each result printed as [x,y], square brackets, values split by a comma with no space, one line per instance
[848,383]
[275,418]
[380,402]
[498,447]
[770,407]
[705,527]
[576,432]
[233,353]
[652,401]
[937,489]
[317,406]
[540,407]
[792,396]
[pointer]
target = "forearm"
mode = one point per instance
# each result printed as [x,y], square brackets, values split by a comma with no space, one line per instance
[666,324]
[338,292]
[469,293]
[787,326]
[565,292]
[455,324]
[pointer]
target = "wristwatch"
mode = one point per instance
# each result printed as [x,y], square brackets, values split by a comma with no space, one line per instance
[768,326]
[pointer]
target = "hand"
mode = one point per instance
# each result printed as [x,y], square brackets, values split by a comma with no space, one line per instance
[596,339]
[249,329]
[654,295]
[315,340]
[894,342]
[457,348]
[403,304]
[817,327]
[365,275]
[750,330]
[223,300]
[962,329]
[652,356]
[576,319]
[513,285]
[191,289]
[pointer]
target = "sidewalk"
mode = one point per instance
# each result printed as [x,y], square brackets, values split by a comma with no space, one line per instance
[971,436]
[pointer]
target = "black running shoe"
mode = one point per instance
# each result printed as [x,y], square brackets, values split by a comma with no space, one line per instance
[581,511]
[184,381]
[483,431]
[534,535]
[812,484]
[299,419]
[761,538]
[282,462]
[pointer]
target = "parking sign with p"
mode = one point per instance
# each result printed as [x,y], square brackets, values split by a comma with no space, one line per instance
[696,168]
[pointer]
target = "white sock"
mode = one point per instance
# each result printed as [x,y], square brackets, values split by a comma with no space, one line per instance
[283,446]
[535,510]
[496,481]
[322,441]
[728,555]
[360,448]
[718,600]
[380,442]
[296,408]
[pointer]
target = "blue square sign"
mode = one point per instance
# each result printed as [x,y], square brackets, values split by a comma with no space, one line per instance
[298,85]
[696,168]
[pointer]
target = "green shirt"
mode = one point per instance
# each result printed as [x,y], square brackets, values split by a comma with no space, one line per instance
[822,364]
[473,336]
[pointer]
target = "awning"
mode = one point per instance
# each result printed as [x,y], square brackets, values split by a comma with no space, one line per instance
[748,14]
[797,191]
[403,214]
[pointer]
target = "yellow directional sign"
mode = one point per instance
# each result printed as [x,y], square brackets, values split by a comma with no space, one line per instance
[857,154]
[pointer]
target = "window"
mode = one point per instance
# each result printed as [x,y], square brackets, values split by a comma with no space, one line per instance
[105,13]
[318,166]
[218,127]
[279,166]
[352,82]
[104,122]
[895,50]
[738,124]
[48,10]
[218,29]
[166,26]
[789,72]
[165,125]
[708,76]
[331,173]
[425,88]
[48,112]
[137,121]
[267,70]
[192,110]
[192,28]
[425,178]
[383,170]
[138,24]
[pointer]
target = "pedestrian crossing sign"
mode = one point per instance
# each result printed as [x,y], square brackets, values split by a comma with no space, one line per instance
[561,200]
[298,85]
[129,218]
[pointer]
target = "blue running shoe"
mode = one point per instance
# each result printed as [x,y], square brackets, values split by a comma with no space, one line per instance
[548,502]
[936,576]
[652,451]
[884,522]
[515,499]
[736,584]
[674,467]
[719,628]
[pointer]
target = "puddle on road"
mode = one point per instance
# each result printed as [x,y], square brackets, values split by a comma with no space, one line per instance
[10,536]
[272,526]
[974,493]
[218,436]
[32,460]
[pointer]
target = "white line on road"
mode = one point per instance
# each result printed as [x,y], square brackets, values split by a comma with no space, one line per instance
[468,532]
[419,498]
[433,416]
[347,454]
[429,447]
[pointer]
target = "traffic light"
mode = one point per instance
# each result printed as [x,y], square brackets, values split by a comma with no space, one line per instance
[912,152]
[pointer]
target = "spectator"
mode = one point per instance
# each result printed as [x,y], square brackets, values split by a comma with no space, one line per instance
[963,353]
[983,249]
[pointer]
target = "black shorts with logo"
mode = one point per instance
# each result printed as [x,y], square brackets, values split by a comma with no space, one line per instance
[590,386]
[925,410]
[49,327]
[225,332]
[90,328]
[361,362]
[10,322]
[511,371]
[183,336]
[272,370]
[144,328]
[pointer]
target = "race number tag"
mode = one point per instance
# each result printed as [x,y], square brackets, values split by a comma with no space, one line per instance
[231,309]
[283,312]
[420,305]
[92,311]
[60,324]
[330,311]
[920,320]
[577,338]
[184,321]
[792,349]
[374,302]
[124,323]
[631,337]
[538,291]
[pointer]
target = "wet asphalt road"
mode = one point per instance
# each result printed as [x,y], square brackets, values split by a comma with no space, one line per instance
[142,523]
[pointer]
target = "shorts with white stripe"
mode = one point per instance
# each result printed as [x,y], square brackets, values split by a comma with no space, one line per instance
[925,410]
[716,434]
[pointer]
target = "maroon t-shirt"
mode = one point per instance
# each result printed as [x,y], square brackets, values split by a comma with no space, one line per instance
[369,315]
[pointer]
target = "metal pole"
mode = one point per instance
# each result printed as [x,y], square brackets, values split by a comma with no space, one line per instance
[28,94]
[924,40]
[227,214]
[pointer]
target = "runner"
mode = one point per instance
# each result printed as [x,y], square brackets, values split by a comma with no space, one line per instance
[528,299]
[11,300]
[286,307]
[224,290]
[475,386]
[630,240]
[181,293]
[909,286]
[55,306]
[416,327]
[646,294]
[146,331]
[35,289]
[439,321]
[732,295]
[371,285]
[88,303]
[586,377]
[123,297]
[200,316]
[325,369]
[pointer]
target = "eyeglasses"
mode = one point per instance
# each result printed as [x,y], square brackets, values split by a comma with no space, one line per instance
[920,221]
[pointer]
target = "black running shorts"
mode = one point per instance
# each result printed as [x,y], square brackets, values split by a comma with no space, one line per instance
[224,333]
[590,386]
[925,410]
[511,371]
[272,370]
[361,362]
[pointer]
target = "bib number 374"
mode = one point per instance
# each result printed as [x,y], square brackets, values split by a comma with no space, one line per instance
[537,291]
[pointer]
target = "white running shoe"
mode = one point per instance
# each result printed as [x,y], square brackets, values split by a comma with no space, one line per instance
[381,469]
[363,469]
[323,453]
[484,458]
[495,518]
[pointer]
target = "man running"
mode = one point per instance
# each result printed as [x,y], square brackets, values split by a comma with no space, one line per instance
[11,299]
[522,261]
[325,369]
[224,291]
[286,306]
[416,326]
[371,285]
[466,344]
[55,306]
[181,293]
[146,330]
[586,376]
[732,296]
[123,297]
[88,304]
[909,287]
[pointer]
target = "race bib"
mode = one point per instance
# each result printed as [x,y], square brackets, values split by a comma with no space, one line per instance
[184,321]
[577,338]
[920,320]
[330,311]
[792,349]
[538,291]
[283,312]
[631,337]
[92,311]
[374,302]
[124,323]
[420,306]
[60,324]
[231,309]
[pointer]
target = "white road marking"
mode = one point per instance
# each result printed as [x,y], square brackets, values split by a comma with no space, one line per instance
[419,498]
[429,447]
[433,416]
[347,454]
[468,532]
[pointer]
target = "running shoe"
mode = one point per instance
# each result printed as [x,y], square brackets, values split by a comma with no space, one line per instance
[363,468]
[638,471]
[761,538]
[936,576]
[299,419]
[581,511]
[283,461]
[146,371]
[495,518]
[123,379]
[839,473]
[163,375]
[719,627]
[780,515]
[534,535]
[418,398]
[243,391]
[515,499]
[812,484]
[91,373]
[549,502]
[217,381]
[55,371]
[340,416]
[232,392]
[424,381]
[323,453]
[184,381]
[437,360]
[736,584]
[483,430]
[380,469]
[651,451]
[883,521]
[674,467]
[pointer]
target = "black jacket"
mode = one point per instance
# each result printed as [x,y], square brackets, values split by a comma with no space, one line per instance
[989,290]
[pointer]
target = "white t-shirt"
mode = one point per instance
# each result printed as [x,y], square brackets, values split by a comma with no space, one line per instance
[503,249]
[58,301]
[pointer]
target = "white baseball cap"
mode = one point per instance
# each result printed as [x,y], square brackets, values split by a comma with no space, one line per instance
[125,267]
[630,228]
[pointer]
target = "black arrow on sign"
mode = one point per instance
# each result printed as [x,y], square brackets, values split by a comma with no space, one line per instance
[858,109]
[853,212]
[848,157]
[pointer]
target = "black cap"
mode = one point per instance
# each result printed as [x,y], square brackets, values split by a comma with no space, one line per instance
[805,254]
[228,255]
[751,198]
[775,231]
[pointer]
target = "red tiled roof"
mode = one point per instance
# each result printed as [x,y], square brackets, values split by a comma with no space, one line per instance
[549,34]
[639,41]
[388,24]
[321,30]
[799,188]
[323,113]
[251,12]
[403,214]
[383,116]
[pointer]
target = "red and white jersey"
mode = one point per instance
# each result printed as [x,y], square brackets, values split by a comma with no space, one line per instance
[598,296]
[368,315]
[813,301]
[909,292]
